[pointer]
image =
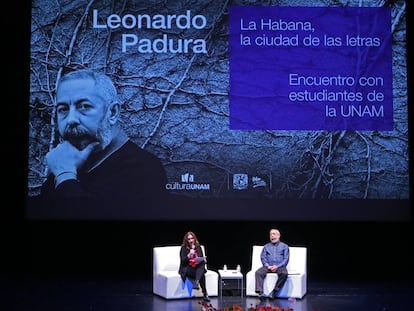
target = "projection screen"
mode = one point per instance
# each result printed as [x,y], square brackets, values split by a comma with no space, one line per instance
[257,110]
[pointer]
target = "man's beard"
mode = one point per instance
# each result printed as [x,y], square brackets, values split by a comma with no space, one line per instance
[104,134]
[80,137]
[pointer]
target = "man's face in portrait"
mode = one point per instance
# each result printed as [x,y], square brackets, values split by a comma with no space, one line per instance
[82,113]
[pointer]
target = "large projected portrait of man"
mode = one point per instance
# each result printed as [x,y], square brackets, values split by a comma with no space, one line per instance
[95,170]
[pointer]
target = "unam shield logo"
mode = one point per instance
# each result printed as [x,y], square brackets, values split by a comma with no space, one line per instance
[240,181]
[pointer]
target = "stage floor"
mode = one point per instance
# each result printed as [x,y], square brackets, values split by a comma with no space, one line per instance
[127,294]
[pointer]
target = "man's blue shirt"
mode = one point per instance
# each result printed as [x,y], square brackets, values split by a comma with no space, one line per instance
[275,254]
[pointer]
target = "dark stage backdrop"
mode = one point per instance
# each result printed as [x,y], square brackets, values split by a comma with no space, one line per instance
[336,250]
[288,110]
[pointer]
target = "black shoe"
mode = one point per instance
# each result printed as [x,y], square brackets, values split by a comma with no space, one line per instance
[262,297]
[195,284]
[206,298]
[273,294]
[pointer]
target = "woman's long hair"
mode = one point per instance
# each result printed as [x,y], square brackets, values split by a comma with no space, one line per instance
[185,239]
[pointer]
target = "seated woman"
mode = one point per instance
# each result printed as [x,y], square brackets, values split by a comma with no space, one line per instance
[193,263]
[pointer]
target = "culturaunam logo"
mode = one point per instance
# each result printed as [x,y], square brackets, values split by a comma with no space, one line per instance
[187,184]
[187,177]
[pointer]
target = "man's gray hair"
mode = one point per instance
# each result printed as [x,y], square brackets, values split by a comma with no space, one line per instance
[103,83]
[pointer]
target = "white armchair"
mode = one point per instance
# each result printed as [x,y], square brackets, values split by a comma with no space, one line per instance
[167,282]
[296,283]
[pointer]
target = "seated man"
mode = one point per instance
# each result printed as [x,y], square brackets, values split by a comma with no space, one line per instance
[275,258]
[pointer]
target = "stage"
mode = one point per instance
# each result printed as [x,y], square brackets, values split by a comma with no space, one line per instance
[128,293]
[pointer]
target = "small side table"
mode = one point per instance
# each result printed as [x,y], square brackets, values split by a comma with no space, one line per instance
[230,279]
